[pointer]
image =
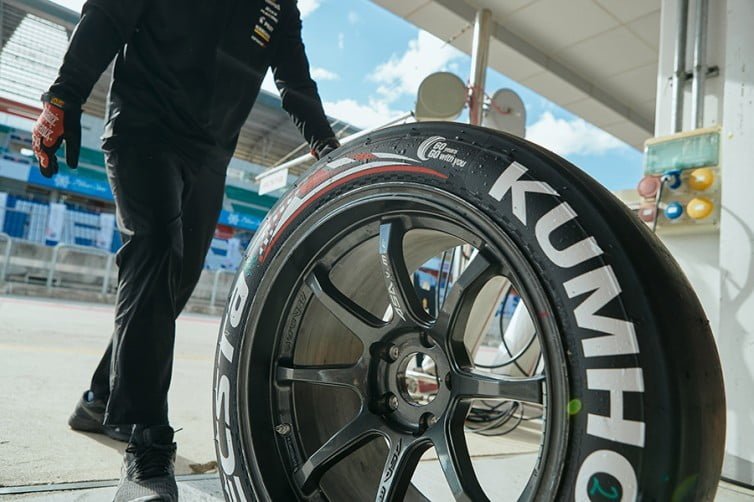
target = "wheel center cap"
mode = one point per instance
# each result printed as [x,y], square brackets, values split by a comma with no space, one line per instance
[409,382]
[417,379]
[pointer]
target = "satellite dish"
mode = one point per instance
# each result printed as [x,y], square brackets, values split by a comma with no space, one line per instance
[506,113]
[442,96]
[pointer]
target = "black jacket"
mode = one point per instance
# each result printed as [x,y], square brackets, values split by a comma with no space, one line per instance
[189,71]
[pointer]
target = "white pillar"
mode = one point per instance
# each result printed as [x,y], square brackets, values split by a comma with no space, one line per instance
[720,264]
[697,254]
[713,105]
[736,330]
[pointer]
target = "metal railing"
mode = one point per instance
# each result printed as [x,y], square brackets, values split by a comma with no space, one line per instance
[216,283]
[73,248]
[51,267]
[6,255]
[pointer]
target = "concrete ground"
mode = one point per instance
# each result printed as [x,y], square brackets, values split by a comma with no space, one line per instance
[194,488]
[49,349]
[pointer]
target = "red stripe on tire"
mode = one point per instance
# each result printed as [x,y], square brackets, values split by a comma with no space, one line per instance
[342,181]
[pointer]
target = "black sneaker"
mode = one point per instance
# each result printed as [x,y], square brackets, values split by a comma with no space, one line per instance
[88,417]
[148,471]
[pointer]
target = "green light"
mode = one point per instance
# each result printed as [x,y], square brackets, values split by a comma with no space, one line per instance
[574,406]
[683,152]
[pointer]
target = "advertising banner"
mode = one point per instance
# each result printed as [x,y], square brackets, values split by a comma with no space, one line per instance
[239,220]
[73,183]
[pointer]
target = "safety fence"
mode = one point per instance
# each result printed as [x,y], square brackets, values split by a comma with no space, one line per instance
[62,249]
[75,271]
[52,224]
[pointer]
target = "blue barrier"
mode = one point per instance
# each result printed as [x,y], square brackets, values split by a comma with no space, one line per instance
[26,219]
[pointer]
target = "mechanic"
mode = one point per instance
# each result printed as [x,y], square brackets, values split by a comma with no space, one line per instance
[186,75]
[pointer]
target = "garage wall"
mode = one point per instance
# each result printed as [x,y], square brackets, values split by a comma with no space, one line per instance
[721,265]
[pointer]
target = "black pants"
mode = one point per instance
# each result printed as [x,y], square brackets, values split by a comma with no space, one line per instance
[167,208]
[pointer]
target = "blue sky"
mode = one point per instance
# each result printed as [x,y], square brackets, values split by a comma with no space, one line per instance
[369,64]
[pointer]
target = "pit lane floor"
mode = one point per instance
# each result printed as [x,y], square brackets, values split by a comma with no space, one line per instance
[49,349]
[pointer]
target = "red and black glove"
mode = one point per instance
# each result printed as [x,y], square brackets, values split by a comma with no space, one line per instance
[325,147]
[60,121]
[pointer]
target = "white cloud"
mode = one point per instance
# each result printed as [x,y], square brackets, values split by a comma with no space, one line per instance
[364,116]
[403,74]
[308,6]
[568,137]
[323,74]
[353,17]
[400,75]
[341,41]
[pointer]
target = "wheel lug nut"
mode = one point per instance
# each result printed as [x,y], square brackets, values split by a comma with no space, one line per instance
[392,402]
[385,404]
[283,429]
[391,353]
[429,420]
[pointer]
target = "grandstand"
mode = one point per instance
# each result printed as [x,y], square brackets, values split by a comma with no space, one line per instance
[76,207]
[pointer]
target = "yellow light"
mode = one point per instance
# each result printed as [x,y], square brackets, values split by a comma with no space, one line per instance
[701,179]
[699,208]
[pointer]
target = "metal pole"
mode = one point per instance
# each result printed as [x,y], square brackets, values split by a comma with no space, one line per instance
[53,263]
[108,271]
[213,298]
[306,157]
[700,63]
[679,73]
[479,61]
[6,256]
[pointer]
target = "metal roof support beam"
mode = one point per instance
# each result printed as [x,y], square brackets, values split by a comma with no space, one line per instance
[270,134]
[47,10]
[344,141]
[305,145]
[527,50]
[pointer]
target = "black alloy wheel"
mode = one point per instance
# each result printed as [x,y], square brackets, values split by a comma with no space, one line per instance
[336,381]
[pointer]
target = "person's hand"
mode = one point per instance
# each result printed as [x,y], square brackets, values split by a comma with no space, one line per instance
[58,122]
[325,148]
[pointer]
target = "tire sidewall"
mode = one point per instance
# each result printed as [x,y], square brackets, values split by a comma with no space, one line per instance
[607,454]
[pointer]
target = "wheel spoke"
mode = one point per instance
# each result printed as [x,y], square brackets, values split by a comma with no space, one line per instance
[456,309]
[404,453]
[453,453]
[356,319]
[469,386]
[351,376]
[442,225]
[350,438]
[403,297]
[475,275]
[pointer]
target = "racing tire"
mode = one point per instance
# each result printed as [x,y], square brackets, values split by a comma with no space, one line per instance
[323,309]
